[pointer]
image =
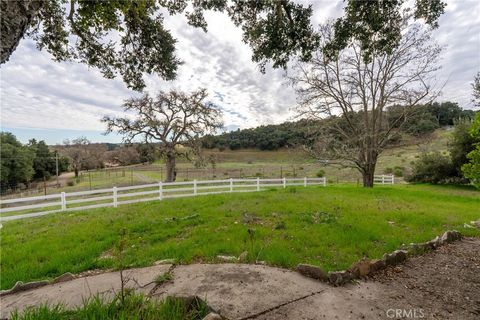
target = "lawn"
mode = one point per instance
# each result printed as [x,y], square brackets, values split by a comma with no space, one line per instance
[331,227]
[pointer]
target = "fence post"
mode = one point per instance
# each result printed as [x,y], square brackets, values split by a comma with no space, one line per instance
[383,179]
[160,190]
[231,185]
[324,181]
[284,182]
[115,198]
[63,201]
[305,181]
[195,186]
[393,179]
[258,184]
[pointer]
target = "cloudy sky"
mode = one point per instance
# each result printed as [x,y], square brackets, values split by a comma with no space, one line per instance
[55,101]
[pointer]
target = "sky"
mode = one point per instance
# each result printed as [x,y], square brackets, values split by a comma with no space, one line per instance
[54,101]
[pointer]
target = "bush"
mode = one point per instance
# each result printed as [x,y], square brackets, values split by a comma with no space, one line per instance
[432,168]
[388,170]
[71,183]
[398,171]
[320,173]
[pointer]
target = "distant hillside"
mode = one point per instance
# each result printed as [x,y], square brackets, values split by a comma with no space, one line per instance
[426,119]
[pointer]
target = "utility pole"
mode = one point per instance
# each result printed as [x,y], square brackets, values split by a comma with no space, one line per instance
[56,167]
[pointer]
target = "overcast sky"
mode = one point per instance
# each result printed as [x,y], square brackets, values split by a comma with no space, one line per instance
[54,101]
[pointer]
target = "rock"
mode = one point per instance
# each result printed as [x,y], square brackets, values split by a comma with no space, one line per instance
[227,258]
[312,272]
[395,257]
[20,286]
[165,261]
[338,278]
[450,236]
[377,264]
[434,243]
[261,262]
[360,269]
[64,277]
[212,316]
[243,256]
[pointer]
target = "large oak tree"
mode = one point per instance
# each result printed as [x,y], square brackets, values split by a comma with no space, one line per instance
[128,37]
[354,93]
[170,119]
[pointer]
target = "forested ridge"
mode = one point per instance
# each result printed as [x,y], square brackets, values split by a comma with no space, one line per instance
[424,120]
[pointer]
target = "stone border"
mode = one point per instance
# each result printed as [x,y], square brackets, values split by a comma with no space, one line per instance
[366,267]
[20,286]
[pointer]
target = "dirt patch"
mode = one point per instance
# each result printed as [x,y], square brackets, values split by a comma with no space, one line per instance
[442,284]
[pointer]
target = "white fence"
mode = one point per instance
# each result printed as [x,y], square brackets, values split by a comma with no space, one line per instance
[384,179]
[73,201]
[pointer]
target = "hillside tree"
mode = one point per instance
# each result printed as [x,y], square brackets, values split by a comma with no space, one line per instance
[171,119]
[355,92]
[129,38]
[44,161]
[79,151]
[16,162]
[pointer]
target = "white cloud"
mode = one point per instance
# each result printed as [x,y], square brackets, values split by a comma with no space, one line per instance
[39,93]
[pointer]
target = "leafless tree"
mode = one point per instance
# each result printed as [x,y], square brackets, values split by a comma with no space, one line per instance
[174,118]
[83,154]
[352,94]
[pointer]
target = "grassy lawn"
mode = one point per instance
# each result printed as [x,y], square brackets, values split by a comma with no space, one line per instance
[331,227]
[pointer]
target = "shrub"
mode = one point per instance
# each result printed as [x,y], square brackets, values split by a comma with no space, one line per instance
[398,172]
[320,173]
[432,168]
[388,170]
[71,183]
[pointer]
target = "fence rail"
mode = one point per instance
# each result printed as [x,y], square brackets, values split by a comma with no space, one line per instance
[113,197]
[384,179]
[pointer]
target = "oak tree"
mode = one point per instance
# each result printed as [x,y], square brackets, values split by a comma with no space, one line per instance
[128,38]
[171,119]
[354,93]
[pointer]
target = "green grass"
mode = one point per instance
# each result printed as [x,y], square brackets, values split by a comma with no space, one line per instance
[250,163]
[135,306]
[331,227]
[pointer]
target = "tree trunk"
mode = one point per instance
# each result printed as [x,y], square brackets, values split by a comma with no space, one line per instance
[76,172]
[368,176]
[171,171]
[368,169]
[17,17]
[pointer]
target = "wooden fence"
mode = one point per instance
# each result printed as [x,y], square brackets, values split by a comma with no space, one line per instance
[21,208]
[384,179]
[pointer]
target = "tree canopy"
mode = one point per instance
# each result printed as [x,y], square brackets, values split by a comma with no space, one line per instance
[129,38]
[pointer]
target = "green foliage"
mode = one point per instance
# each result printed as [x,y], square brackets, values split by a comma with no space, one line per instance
[432,168]
[461,144]
[16,162]
[471,170]
[398,171]
[439,168]
[377,24]
[320,173]
[129,38]
[44,162]
[135,306]
[424,119]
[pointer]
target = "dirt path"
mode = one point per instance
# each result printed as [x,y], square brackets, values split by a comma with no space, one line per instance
[444,284]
